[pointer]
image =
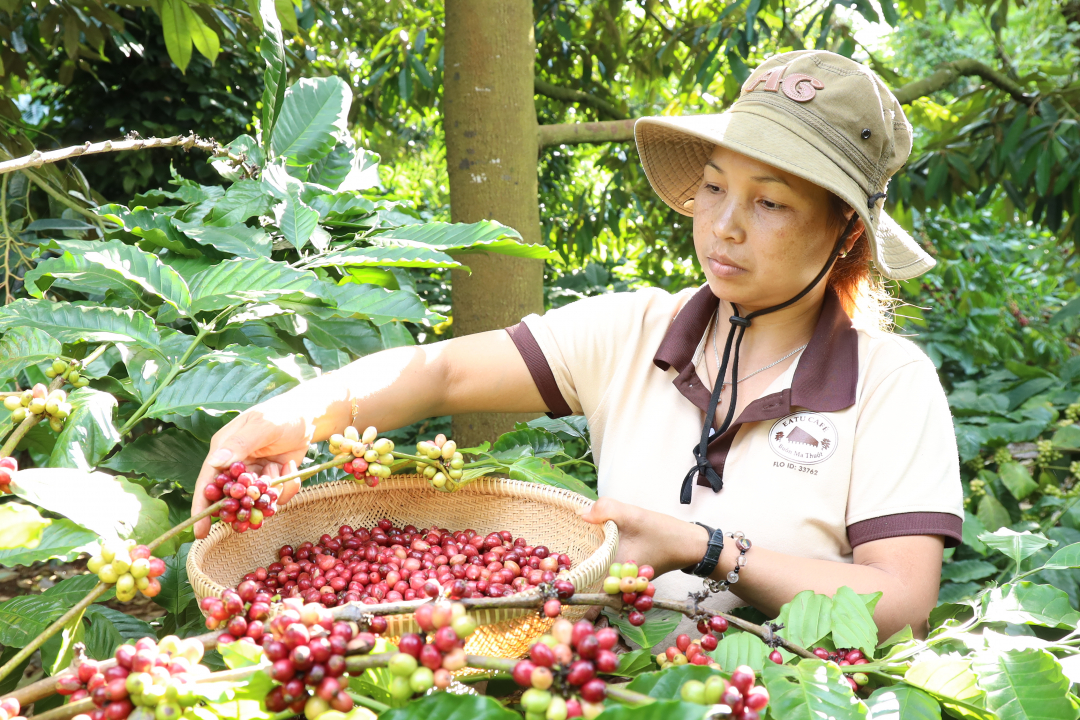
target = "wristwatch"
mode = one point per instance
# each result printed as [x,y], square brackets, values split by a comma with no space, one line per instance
[712,554]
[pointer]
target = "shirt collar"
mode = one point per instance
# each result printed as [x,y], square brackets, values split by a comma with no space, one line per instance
[825,378]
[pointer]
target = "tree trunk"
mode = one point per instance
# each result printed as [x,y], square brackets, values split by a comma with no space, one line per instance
[489,119]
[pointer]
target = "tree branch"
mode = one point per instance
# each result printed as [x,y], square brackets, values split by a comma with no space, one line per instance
[947,73]
[37,158]
[593,132]
[579,96]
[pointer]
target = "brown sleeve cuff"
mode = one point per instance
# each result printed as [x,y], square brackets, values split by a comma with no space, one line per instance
[540,370]
[947,525]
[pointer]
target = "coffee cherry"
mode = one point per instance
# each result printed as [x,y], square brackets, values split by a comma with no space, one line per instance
[776,657]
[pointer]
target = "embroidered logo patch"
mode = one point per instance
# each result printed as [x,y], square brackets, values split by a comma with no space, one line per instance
[806,438]
[798,86]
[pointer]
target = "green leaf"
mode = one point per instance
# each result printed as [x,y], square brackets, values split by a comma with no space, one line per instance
[539,470]
[205,39]
[521,443]
[483,236]
[1067,437]
[1024,685]
[107,505]
[966,570]
[77,323]
[449,706]
[1066,557]
[276,76]
[666,684]
[314,114]
[237,281]
[660,710]
[952,682]
[741,648]
[24,617]
[658,625]
[111,265]
[1017,479]
[810,690]
[177,594]
[145,368]
[992,514]
[229,382]
[1014,545]
[89,433]
[902,702]
[377,304]
[345,167]
[62,539]
[177,36]
[21,526]
[25,346]
[634,663]
[296,221]
[852,623]
[110,628]
[806,619]
[902,635]
[240,654]
[75,588]
[59,650]
[973,528]
[418,257]
[1026,603]
[239,240]
[244,199]
[171,454]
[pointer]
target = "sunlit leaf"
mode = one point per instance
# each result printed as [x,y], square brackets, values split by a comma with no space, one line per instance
[23,346]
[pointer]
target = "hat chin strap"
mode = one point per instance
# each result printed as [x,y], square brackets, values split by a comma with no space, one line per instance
[739,323]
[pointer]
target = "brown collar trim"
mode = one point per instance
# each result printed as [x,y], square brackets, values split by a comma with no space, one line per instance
[825,379]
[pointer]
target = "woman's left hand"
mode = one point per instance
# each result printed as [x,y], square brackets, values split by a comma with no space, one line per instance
[650,538]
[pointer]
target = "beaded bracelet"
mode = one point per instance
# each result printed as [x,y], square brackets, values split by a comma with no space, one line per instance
[743,544]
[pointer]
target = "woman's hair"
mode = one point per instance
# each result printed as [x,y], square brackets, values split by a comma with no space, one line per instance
[862,293]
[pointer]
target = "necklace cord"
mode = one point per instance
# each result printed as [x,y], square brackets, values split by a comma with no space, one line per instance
[702,466]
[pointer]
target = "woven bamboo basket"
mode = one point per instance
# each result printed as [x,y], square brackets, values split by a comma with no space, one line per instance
[542,514]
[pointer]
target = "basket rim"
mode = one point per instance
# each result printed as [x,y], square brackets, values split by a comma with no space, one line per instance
[485,486]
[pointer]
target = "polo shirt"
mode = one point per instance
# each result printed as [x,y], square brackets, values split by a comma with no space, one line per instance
[852,443]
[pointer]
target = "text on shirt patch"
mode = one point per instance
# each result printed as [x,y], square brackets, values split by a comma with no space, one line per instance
[803,437]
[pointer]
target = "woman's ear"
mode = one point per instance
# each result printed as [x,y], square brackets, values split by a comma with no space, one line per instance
[857,231]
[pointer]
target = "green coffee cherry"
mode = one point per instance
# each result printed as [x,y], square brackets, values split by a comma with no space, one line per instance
[12,402]
[18,415]
[56,424]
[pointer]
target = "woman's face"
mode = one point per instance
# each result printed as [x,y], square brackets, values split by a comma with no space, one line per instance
[761,234]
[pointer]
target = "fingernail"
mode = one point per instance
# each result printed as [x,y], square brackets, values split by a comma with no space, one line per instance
[221,457]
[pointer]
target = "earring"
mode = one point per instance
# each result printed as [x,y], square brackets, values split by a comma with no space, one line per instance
[843,254]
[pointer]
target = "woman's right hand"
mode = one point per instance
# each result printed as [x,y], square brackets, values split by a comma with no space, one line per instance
[270,438]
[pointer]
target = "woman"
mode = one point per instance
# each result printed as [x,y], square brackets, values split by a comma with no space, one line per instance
[828,444]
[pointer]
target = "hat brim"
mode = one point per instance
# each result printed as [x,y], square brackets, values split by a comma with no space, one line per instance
[674,150]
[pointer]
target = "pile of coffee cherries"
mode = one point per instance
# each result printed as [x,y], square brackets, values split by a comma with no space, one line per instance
[247,498]
[634,585]
[385,563]
[39,401]
[150,681]
[561,671]
[421,664]
[8,467]
[372,455]
[445,457]
[844,657]
[129,567]
[740,694]
[688,652]
[307,649]
[9,709]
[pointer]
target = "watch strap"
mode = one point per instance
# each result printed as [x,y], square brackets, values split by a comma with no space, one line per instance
[708,563]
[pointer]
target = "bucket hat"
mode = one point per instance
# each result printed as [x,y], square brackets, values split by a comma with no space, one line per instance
[814,114]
